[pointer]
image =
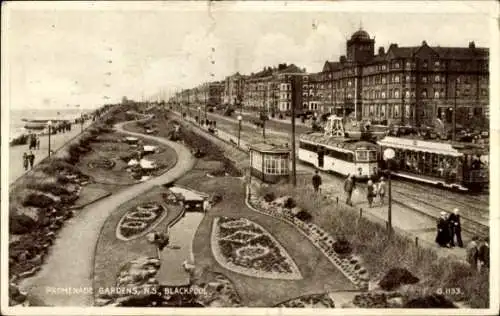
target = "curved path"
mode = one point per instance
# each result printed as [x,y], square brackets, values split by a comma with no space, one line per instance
[66,277]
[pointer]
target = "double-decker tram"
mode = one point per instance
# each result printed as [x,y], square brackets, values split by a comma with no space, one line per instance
[459,166]
[333,152]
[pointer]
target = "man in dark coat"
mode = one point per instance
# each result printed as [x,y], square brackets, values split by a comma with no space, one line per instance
[349,185]
[442,237]
[316,181]
[455,228]
[483,255]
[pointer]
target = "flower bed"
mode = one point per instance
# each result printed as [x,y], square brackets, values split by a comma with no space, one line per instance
[102,163]
[348,264]
[310,301]
[139,220]
[250,250]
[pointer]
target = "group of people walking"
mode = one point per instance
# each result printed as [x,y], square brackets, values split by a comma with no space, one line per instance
[449,229]
[373,190]
[28,160]
[34,142]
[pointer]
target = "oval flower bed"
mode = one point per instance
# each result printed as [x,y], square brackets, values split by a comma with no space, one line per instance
[250,250]
[139,220]
[102,163]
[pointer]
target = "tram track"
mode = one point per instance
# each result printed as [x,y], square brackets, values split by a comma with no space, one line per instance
[431,210]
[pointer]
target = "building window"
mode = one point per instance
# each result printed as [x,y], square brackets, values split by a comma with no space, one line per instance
[458,79]
[349,96]
[407,93]
[396,79]
[441,93]
[436,94]
[383,80]
[383,94]
[437,78]
[382,111]
[396,93]
[349,83]
[408,65]
[484,92]
[396,111]
[457,93]
[396,65]
[424,64]
[436,63]
[424,93]
[372,108]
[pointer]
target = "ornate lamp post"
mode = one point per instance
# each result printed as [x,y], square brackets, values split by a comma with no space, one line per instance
[49,124]
[239,128]
[388,157]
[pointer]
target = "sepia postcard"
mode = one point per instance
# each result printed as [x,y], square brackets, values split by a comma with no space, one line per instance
[250,158]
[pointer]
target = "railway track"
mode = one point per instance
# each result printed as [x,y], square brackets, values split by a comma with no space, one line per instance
[467,202]
[430,209]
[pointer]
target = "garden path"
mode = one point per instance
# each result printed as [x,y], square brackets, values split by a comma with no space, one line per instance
[69,265]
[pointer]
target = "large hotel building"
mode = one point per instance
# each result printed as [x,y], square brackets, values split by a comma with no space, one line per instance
[403,85]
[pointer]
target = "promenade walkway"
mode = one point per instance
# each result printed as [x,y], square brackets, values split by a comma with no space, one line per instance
[70,264]
[16,169]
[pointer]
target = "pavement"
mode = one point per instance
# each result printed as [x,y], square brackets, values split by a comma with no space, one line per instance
[70,263]
[16,169]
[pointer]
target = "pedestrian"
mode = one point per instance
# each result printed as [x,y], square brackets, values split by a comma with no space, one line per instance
[381,190]
[31,158]
[370,192]
[472,252]
[25,161]
[38,142]
[442,236]
[316,181]
[455,228]
[483,255]
[349,185]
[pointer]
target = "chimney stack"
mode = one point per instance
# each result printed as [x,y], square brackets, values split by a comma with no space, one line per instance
[381,51]
[472,45]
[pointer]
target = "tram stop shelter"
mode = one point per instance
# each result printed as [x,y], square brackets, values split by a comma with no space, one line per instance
[270,163]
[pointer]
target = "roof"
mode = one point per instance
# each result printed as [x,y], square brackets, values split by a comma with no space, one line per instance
[420,145]
[343,144]
[360,35]
[442,52]
[331,66]
[270,148]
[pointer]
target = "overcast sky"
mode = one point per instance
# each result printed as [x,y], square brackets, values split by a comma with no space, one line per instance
[75,54]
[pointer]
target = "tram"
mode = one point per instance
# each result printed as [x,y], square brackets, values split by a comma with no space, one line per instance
[457,166]
[333,152]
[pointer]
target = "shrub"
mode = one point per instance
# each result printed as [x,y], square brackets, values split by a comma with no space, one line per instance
[430,301]
[342,246]
[396,277]
[56,166]
[37,199]
[21,224]
[269,197]
[53,188]
[304,216]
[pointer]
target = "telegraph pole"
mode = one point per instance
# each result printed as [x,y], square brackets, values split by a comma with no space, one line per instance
[294,103]
[454,117]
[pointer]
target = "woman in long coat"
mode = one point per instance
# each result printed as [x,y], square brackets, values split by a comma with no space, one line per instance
[443,231]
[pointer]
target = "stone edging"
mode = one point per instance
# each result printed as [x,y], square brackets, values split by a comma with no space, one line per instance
[343,264]
[295,275]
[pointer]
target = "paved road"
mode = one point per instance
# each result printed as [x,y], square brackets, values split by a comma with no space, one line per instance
[71,260]
[16,169]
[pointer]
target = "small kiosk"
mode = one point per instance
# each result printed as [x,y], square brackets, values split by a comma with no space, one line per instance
[270,163]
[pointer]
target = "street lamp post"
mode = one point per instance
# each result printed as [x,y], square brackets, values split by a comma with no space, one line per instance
[239,128]
[388,157]
[49,124]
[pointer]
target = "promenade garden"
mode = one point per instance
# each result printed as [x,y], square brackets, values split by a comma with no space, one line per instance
[88,168]
[277,246]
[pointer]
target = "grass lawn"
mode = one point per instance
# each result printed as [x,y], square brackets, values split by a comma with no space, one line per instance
[111,253]
[319,275]
[112,149]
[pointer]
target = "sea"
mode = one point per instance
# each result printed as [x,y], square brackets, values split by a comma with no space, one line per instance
[17,116]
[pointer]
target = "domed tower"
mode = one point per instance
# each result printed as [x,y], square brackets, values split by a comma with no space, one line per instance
[360,48]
